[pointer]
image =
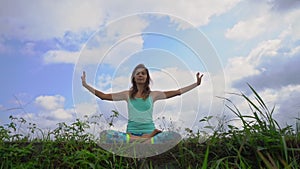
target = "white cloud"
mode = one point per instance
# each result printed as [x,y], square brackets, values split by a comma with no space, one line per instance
[32,20]
[264,49]
[61,114]
[121,51]
[196,12]
[86,108]
[267,65]
[47,112]
[238,68]
[103,81]
[50,102]
[243,66]
[294,51]
[287,93]
[110,45]
[119,83]
[292,25]
[245,30]
[48,20]
[51,110]
[265,22]
[60,56]
[45,20]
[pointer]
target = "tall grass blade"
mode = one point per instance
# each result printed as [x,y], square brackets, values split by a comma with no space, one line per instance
[284,148]
[236,111]
[205,162]
[258,98]
[267,163]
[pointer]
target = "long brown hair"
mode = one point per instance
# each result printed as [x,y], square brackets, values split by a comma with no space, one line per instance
[146,90]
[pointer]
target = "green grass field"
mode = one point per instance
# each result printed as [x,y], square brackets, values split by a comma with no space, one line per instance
[259,143]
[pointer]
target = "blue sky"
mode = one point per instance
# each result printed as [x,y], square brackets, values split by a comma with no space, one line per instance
[44,46]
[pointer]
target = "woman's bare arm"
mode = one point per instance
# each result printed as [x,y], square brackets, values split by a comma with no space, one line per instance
[158,95]
[104,96]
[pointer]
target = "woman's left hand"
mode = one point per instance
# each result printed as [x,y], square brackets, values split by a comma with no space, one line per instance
[199,78]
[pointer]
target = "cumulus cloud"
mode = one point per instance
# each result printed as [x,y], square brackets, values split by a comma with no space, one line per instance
[248,29]
[266,48]
[190,10]
[109,45]
[61,56]
[104,81]
[53,108]
[271,68]
[46,112]
[265,21]
[292,25]
[52,20]
[274,67]
[49,110]
[287,104]
[86,108]
[46,20]
[242,67]
[50,102]
[60,114]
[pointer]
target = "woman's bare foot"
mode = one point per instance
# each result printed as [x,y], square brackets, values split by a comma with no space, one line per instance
[144,137]
[154,132]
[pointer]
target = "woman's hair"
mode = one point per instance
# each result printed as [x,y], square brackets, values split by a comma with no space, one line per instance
[133,90]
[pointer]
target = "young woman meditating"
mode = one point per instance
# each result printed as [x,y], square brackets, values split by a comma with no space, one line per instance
[140,100]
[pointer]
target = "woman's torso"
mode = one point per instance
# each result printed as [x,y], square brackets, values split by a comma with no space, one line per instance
[140,113]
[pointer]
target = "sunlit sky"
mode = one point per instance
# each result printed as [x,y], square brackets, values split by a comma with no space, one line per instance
[45,46]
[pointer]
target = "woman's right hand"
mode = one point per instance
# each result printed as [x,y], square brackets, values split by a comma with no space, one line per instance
[83,79]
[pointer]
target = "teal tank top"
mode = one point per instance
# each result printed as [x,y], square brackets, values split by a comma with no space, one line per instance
[140,120]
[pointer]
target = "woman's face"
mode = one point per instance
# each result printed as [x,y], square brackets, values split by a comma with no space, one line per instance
[140,76]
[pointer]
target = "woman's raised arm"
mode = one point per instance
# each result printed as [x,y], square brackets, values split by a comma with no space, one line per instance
[104,96]
[158,95]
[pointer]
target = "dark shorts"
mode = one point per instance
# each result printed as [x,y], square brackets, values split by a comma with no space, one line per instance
[137,134]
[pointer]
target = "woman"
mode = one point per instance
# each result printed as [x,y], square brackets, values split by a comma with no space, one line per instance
[140,100]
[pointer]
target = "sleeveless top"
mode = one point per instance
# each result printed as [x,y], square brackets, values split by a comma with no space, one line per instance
[140,120]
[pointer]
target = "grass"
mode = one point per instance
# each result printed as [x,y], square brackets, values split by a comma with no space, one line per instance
[259,143]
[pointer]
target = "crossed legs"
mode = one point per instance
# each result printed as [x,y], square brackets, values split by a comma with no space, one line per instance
[144,137]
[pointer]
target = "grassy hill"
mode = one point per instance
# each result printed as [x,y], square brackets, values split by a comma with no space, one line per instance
[259,143]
